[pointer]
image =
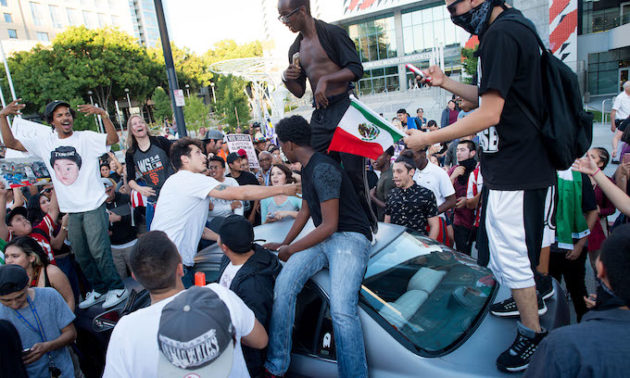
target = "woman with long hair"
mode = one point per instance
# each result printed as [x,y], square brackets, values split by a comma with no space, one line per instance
[27,253]
[280,207]
[11,365]
[37,207]
[149,156]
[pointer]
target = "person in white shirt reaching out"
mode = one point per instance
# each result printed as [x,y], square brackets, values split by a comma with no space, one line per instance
[182,207]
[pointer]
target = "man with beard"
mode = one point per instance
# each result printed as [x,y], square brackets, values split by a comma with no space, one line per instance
[515,205]
[459,174]
[81,195]
[325,55]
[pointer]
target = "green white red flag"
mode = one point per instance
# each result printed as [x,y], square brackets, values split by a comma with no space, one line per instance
[363,132]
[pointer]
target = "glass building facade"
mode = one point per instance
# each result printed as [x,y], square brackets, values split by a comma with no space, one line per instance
[384,53]
[603,15]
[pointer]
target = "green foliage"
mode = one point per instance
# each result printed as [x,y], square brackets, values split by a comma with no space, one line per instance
[230,96]
[228,49]
[82,121]
[196,113]
[162,105]
[105,61]
[190,68]
[470,63]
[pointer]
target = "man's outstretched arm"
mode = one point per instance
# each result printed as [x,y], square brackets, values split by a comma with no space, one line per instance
[252,192]
[7,136]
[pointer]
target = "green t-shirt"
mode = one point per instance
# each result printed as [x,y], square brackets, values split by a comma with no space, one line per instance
[3,244]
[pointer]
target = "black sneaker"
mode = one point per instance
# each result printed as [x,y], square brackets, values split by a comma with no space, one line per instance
[544,285]
[508,309]
[517,357]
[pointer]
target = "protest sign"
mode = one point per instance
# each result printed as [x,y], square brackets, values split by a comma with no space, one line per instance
[237,142]
[23,129]
[23,172]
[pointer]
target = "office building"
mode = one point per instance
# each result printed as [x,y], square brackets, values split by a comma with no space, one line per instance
[144,22]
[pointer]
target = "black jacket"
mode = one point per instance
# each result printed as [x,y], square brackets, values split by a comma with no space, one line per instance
[254,284]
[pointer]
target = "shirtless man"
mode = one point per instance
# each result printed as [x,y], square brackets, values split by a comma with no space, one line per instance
[325,55]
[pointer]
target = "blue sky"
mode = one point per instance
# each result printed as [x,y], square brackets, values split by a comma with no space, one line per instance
[198,24]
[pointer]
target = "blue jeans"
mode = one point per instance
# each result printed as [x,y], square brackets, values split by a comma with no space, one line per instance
[89,239]
[149,214]
[189,277]
[346,256]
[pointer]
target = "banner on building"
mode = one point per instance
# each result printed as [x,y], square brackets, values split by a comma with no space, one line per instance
[563,23]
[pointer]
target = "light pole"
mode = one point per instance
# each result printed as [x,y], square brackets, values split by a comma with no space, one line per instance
[188,91]
[128,100]
[97,120]
[214,98]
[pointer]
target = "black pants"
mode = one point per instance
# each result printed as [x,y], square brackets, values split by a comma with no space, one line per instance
[574,273]
[464,238]
[324,122]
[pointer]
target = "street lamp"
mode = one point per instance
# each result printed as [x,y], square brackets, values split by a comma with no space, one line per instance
[188,91]
[214,98]
[97,120]
[128,100]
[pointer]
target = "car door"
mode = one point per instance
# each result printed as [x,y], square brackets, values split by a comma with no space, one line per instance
[314,352]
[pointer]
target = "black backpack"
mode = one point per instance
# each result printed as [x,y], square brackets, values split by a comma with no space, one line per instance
[566,128]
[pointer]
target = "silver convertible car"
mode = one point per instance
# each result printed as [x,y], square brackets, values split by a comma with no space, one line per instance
[423,308]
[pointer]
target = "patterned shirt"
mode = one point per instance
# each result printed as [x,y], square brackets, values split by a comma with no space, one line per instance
[412,207]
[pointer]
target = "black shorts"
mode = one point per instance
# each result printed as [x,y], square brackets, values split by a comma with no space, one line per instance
[324,121]
[622,124]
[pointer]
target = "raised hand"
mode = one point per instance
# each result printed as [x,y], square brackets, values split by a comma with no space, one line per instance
[13,108]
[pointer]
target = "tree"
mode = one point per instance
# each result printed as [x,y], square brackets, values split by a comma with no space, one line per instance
[230,97]
[470,63]
[190,68]
[228,49]
[105,61]
[162,108]
[196,113]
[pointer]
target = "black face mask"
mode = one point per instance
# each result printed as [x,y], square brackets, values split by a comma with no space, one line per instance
[469,165]
[475,21]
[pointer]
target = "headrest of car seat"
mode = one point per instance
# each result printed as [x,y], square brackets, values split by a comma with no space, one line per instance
[426,279]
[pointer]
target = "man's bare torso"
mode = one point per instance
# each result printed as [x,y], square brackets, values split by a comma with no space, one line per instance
[316,64]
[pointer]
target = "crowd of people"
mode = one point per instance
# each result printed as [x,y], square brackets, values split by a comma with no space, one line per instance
[71,244]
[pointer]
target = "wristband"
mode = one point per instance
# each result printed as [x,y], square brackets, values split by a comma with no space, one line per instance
[596,172]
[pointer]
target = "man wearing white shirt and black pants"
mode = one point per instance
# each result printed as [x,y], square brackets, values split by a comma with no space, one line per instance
[182,207]
[71,157]
[146,343]
[620,113]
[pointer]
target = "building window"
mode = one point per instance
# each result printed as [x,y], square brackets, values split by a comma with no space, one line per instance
[602,16]
[604,71]
[36,14]
[43,37]
[379,80]
[73,17]
[7,18]
[55,16]
[12,33]
[88,19]
[102,20]
[426,28]
[375,39]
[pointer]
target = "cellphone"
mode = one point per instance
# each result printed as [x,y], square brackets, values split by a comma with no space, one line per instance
[26,351]
[296,59]
[418,72]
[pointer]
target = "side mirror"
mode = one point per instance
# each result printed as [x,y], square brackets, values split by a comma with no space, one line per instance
[105,321]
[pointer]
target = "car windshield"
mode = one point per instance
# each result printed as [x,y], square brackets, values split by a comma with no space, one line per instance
[428,293]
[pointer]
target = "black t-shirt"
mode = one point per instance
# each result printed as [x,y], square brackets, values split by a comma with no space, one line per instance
[122,231]
[247,178]
[154,164]
[323,180]
[514,157]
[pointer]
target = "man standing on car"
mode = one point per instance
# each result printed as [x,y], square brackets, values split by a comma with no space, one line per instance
[325,55]
[340,241]
[514,205]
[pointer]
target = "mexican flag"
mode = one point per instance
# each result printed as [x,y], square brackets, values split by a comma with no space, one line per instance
[363,132]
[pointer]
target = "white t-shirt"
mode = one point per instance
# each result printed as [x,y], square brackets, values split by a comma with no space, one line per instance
[622,106]
[133,349]
[223,208]
[435,178]
[228,274]
[77,179]
[182,209]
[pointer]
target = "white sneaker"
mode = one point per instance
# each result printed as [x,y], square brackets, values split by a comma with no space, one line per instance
[114,297]
[91,299]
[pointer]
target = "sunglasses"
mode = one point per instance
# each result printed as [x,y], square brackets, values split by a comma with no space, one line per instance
[452,9]
[285,18]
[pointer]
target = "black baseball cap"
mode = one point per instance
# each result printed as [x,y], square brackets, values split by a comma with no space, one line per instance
[214,135]
[232,157]
[196,336]
[20,210]
[65,152]
[50,108]
[12,278]
[237,233]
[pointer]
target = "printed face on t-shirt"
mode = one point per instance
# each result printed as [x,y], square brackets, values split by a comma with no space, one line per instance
[67,171]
